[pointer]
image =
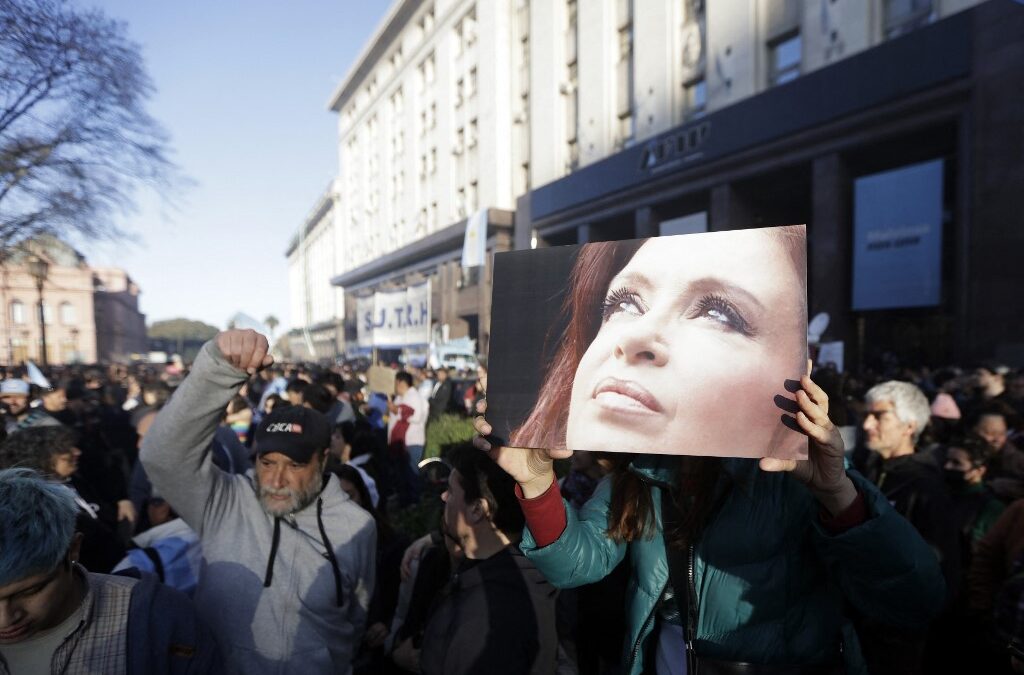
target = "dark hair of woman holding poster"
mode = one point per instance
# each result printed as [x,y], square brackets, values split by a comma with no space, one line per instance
[733,560]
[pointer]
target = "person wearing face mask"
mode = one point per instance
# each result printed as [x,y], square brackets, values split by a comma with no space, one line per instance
[975,506]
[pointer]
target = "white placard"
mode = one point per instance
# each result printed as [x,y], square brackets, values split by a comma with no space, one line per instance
[395,319]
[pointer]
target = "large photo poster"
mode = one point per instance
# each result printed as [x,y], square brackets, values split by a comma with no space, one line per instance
[690,344]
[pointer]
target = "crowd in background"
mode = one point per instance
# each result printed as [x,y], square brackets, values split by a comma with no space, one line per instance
[942,445]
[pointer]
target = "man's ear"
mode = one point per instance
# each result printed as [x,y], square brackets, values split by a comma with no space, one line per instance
[479,512]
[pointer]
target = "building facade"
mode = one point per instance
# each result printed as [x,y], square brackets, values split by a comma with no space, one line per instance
[616,119]
[90,314]
[424,123]
[813,113]
[317,307]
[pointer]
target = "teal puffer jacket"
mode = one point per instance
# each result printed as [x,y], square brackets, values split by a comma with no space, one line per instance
[770,582]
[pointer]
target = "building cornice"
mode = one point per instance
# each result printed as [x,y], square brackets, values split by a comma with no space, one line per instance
[447,240]
[389,29]
[316,215]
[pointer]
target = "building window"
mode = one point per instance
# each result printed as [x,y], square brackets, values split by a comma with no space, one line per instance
[67,313]
[471,83]
[784,57]
[570,90]
[471,134]
[696,98]
[17,312]
[426,22]
[47,313]
[903,16]
[624,72]
[459,86]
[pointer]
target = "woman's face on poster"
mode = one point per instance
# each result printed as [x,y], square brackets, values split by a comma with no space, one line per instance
[698,337]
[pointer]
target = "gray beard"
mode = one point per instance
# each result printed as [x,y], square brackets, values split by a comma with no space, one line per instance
[300,499]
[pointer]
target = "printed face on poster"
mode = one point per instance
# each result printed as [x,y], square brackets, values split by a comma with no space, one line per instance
[689,344]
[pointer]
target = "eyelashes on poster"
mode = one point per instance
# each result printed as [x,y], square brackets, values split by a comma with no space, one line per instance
[690,344]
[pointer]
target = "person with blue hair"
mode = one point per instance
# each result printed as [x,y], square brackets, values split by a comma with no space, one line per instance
[57,617]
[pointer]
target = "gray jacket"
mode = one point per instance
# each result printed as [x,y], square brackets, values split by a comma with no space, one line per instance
[295,624]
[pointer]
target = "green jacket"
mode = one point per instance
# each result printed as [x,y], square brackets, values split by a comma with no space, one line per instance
[770,581]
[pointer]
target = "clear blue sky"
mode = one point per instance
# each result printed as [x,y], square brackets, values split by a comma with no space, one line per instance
[242,87]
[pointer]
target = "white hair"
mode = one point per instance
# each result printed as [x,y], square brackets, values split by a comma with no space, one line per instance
[909,403]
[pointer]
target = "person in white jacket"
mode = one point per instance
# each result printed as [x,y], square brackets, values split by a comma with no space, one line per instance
[288,558]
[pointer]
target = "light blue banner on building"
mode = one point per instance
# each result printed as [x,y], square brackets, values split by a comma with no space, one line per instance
[897,238]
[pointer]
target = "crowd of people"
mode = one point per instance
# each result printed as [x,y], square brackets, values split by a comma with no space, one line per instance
[247,516]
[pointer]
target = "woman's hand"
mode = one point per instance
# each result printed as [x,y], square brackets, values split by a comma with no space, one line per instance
[824,470]
[532,468]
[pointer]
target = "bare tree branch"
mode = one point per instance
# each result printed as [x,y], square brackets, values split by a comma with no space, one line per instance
[75,137]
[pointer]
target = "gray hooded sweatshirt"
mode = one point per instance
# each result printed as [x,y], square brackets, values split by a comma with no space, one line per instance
[294,624]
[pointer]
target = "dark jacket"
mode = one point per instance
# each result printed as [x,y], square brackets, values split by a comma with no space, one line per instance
[771,584]
[495,616]
[915,486]
[165,636]
[441,400]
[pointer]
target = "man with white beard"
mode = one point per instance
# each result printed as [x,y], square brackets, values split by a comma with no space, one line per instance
[288,558]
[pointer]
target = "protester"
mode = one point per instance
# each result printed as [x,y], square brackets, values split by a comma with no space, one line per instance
[1005,475]
[57,617]
[288,558]
[441,394]
[815,537]
[51,451]
[13,402]
[497,614]
[407,431]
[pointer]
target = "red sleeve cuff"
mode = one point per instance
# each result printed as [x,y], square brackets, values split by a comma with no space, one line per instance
[545,514]
[854,515]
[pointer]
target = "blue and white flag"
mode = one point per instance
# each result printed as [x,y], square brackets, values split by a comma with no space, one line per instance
[474,246]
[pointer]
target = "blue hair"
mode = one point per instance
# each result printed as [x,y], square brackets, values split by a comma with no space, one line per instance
[37,524]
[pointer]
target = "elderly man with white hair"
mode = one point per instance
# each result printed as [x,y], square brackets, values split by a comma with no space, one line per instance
[896,413]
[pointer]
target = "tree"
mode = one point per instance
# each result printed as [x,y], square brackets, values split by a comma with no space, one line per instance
[75,137]
[272,323]
[179,332]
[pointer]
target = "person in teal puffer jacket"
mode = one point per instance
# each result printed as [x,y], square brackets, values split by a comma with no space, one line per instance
[687,345]
[771,571]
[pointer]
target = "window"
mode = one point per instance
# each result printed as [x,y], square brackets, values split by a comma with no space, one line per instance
[471,83]
[432,161]
[397,102]
[903,16]
[696,98]
[432,117]
[784,57]
[67,313]
[17,312]
[426,22]
[471,134]
[459,86]
[47,313]
[624,72]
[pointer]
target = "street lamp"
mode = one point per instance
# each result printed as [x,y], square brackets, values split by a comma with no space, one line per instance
[39,269]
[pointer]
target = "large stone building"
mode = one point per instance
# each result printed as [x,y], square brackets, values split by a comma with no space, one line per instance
[317,307]
[90,314]
[616,119]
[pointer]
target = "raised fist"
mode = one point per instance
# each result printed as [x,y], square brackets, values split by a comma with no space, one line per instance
[244,349]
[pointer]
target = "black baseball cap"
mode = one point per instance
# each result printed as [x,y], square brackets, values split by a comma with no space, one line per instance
[295,431]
